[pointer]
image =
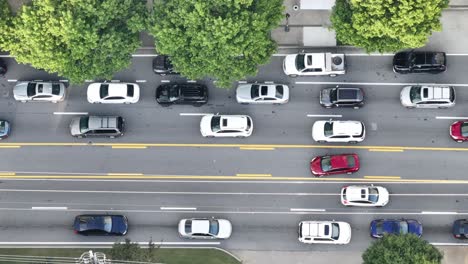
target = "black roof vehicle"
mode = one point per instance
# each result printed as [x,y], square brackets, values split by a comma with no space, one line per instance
[186,93]
[101,225]
[162,65]
[460,228]
[3,68]
[419,62]
[342,97]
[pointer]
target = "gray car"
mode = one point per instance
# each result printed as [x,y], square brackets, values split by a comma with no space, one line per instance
[97,126]
[253,93]
[39,91]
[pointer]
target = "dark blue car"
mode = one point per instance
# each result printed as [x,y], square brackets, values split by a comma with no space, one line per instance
[101,225]
[380,227]
[460,228]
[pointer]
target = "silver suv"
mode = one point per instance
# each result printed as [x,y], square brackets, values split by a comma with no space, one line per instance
[425,96]
[97,126]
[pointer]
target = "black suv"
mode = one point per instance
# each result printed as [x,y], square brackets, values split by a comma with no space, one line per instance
[187,93]
[419,62]
[342,97]
[3,68]
[162,65]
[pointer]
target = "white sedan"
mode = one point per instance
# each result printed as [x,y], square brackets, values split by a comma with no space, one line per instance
[262,93]
[226,126]
[39,91]
[365,196]
[113,93]
[205,228]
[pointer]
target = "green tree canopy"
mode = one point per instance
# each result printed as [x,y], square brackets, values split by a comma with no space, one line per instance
[401,249]
[5,21]
[224,39]
[78,39]
[386,25]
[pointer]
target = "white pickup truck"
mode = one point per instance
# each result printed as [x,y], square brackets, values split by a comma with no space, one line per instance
[314,64]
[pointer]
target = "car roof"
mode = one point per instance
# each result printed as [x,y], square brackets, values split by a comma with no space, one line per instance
[200,226]
[435,93]
[348,94]
[316,229]
[102,122]
[118,89]
[357,193]
[237,122]
[347,128]
[314,60]
[339,161]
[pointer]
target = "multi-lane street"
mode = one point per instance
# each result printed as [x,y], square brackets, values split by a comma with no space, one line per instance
[162,170]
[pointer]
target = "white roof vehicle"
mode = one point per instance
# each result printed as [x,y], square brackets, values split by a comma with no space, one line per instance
[253,93]
[338,131]
[205,228]
[39,91]
[324,232]
[314,64]
[364,195]
[113,93]
[226,126]
[426,96]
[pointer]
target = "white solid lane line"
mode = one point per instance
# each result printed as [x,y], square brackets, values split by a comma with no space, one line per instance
[438,213]
[324,115]
[383,84]
[106,243]
[140,81]
[306,210]
[179,208]
[165,81]
[194,114]
[71,113]
[49,208]
[452,117]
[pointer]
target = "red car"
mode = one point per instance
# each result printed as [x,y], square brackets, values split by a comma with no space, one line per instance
[334,164]
[459,131]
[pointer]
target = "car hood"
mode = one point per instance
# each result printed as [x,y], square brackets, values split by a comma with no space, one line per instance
[383,195]
[318,130]
[243,92]
[315,165]
[93,92]
[345,232]
[20,90]
[289,64]
[455,130]
[119,225]
[225,228]
[75,126]
[414,227]
[205,125]
[405,96]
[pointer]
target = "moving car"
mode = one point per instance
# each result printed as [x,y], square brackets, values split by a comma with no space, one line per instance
[253,93]
[419,62]
[380,227]
[162,65]
[186,93]
[338,131]
[113,93]
[314,64]
[3,68]
[205,228]
[460,229]
[342,97]
[459,131]
[226,126]
[4,129]
[101,225]
[426,96]
[364,195]
[324,232]
[334,164]
[97,126]
[39,91]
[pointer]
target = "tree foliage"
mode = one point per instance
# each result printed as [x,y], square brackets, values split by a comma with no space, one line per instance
[78,39]
[401,249]
[224,39]
[5,21]
[386,25]
[132,251]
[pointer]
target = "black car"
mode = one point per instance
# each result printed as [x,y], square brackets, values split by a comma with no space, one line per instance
[186,93]
[460,228]
[3,68]
[342,97]
[162,65]
[101,225]
[419,62]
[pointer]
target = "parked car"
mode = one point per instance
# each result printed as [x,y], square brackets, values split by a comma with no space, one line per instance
[380,227]
[39,91]
[3,68]
[324,232]
[186,93]
[460,229]
[459,131]
[205,228]
[4,129]
[338,131]
[419,62]
[334,164]
[364,195]
[314,64]
[226,126]
[162,65]
[342,97]
[253,93]
[101,225]
[97,126]
[113,93]
[427,96]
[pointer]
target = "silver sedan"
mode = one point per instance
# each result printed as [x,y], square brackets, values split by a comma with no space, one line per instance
[254,93]
[39,91]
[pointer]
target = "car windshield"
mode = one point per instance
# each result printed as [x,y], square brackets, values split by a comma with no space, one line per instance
[255,91]
[216,123]
[333,95]
[373,194]
[214,227]
[107,220]
[328,129]
[300,62]
[403,227]
[84,121]
[335,231]
[415,94]
[188,226]
[104,91]
[31,89]
[173,94]
[351,161]
[464,129]
[2,126]
[279,91]
[379,228]
[56,88]
[326,163]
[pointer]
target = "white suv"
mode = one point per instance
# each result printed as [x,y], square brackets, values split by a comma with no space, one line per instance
[338,131]
[365,196]
[426,96]
[324,232]
[226,126]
